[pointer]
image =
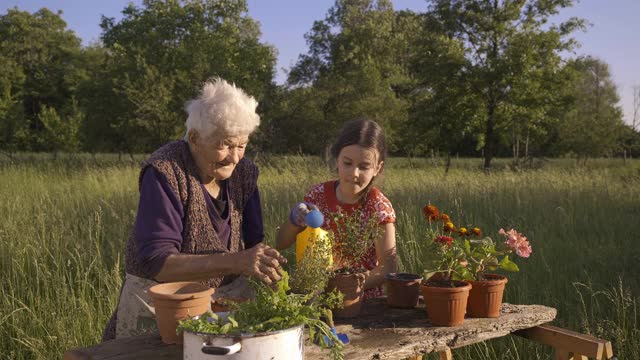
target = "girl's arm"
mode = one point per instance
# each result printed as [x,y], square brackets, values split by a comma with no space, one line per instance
[287,235]
[386,253]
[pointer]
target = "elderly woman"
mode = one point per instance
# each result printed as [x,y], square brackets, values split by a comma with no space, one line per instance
[199,216]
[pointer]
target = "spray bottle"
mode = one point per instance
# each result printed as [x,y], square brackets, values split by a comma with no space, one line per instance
[313,235]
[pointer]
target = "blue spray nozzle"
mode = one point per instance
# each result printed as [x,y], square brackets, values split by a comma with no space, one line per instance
[314,219]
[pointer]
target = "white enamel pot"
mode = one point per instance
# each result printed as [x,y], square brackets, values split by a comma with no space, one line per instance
[285,344]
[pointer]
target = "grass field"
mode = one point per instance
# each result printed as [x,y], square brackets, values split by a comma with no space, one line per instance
[65,221]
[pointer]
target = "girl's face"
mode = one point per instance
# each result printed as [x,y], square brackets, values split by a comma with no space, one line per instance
[356,168]
[217,157]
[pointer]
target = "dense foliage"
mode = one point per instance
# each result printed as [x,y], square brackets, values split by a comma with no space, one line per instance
[470,78]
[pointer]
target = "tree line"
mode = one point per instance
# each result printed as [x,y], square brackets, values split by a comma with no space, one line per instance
[471,78]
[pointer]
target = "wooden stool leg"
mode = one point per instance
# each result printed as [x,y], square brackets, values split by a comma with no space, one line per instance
[569,344]
[446,355]
[561,354]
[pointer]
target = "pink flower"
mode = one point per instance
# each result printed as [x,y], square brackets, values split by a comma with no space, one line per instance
[517,242]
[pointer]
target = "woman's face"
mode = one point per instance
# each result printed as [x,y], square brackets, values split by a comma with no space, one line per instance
[216,156]
[356,168]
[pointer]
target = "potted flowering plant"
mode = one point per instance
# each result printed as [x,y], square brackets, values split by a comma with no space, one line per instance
[484,255]
[353,238]
[463,255]
[445,293]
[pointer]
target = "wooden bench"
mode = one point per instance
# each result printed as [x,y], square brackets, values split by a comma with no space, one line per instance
[384,333]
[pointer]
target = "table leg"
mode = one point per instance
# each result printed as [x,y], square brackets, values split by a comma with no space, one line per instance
[561,354]
[446,355]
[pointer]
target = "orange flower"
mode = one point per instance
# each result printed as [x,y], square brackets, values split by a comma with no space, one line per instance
[430,212]
[449,227]
[445,218]
[463,231]
[476,231]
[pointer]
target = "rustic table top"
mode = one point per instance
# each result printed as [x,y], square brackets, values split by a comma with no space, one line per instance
[378,333]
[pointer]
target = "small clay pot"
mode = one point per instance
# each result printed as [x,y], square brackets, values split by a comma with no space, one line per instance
[485,297]
[177,301]
[403,290]
[352,287]
[446,305]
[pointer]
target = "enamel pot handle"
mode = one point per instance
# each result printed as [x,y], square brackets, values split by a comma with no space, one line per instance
[221,350]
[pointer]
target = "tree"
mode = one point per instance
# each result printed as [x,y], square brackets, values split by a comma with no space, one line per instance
[13,127]
[504,53]
[593,125]
[443,103]
[159,54]
[40,62]
[61,134]
[353,69]
[636,106]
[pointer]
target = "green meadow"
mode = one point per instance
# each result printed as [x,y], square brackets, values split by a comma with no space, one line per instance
[65,222]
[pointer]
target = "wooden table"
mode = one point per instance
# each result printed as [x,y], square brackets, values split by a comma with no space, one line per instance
[379,333]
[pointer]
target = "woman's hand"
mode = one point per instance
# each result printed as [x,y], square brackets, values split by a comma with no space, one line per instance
[261,262]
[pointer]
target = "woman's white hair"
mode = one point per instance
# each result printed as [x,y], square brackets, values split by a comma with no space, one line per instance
[224,108]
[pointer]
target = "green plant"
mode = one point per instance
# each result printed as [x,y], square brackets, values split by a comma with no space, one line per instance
[310,275]
[354,235]
[274,309]
[485,254]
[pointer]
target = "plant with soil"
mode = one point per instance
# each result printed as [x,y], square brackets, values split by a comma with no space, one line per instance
[274,309]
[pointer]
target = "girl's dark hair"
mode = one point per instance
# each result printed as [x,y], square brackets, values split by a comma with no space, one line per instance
[364,132]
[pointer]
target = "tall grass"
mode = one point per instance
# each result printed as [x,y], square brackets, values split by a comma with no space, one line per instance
[65,222]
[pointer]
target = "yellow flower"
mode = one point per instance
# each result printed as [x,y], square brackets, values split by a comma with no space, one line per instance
[463,231]
[449,227]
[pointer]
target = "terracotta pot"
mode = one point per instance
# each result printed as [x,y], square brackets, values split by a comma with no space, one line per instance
[177,301]
[485,297]
[446,306]
[352,287]
[403,290]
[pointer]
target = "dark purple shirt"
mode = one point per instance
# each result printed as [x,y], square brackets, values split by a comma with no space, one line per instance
[159,221]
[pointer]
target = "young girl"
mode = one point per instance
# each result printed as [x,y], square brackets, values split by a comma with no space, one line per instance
[359,152]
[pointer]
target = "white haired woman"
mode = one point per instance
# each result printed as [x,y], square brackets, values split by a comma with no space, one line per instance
[199,216]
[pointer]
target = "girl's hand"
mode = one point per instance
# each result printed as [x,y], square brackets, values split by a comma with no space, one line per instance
[298,213]
[261,262]
[362,277]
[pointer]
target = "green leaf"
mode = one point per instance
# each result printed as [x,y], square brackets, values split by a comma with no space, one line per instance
[465,274]
[429,273]
[508,265]
[467,246]
[225,328]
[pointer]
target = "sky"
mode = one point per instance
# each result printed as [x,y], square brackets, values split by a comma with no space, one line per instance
[612,35]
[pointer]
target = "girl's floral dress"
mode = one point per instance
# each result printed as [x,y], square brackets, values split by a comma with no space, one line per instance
[376,205]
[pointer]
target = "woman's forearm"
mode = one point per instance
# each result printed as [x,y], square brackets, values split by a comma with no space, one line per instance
[191,267]
[260,262]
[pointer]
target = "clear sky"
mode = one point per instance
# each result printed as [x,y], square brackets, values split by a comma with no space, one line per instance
[612,37]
